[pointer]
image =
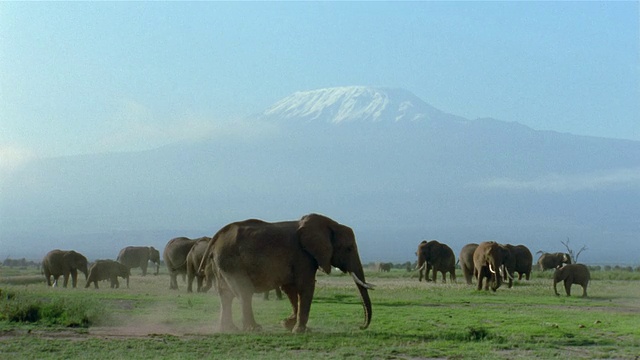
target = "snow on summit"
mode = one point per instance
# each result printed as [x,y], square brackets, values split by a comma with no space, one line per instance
[354,103]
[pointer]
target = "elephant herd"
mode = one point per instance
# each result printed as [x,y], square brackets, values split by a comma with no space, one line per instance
[254,256]
[67,263]
[242,258]
[492,264]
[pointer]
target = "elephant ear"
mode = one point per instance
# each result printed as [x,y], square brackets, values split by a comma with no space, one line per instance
[314,233]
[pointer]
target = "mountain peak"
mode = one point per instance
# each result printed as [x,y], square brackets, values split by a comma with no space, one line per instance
[353,104]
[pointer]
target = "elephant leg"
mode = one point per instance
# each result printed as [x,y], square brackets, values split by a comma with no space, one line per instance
[144,269]
[292,294]
[65,276]
[248,320]
[243,288]
[584,290]
[74,278]
[567,287]
[173,282]
[304,307]
[226,318]
[467,275]
[199,279]
[190,277]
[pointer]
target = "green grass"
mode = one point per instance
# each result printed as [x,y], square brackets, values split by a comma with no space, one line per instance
[411,319]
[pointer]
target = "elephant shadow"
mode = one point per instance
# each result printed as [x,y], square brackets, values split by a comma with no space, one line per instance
[337,299]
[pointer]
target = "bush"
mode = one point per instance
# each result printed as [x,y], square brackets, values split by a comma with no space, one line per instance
[61,312]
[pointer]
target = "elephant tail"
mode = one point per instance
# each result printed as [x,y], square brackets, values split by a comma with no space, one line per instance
[207,252]
[178,266]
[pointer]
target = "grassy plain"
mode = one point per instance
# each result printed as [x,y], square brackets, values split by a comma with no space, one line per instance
[411,320]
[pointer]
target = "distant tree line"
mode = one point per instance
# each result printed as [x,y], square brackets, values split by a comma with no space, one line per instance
[20,263]
[613,268]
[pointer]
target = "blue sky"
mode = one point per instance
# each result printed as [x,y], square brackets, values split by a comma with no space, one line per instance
[81,78]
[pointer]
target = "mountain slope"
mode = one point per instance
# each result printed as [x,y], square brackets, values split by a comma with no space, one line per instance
[395,177]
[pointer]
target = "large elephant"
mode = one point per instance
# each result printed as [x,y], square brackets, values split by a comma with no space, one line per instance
[108,270]
[548,261]
[175,257]
[254,256]
[139,256]
[437,256]
[194,258]
[489,260]
[522,261]
[65,263]
[466,261]
[572,274]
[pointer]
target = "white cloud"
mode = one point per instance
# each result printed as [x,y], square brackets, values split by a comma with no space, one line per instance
[137,128]
[629,177]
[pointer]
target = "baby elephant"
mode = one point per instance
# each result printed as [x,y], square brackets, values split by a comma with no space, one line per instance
[107,270]
[572,274]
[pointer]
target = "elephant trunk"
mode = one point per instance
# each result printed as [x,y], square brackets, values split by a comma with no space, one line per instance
[363,288]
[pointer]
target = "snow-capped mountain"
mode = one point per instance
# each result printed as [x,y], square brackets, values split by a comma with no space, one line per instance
[354,104]
[402,171]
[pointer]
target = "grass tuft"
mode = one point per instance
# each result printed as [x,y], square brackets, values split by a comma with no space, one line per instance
[58,312]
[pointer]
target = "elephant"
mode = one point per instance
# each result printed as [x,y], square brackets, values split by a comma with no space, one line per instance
[194,258]
[437,256]
[64,262]
[466,261]
[175,257]
[489,261]
[108,270]
[522,261]
[254,256]
[384,267]
[572,274]
[553,260]
[139,256]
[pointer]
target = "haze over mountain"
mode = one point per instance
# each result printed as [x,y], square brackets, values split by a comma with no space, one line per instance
[382,161]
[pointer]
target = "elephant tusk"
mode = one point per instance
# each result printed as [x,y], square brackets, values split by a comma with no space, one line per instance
[361,283]
[421,267]
[491,269]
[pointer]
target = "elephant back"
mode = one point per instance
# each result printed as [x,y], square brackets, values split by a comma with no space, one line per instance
[175,253]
